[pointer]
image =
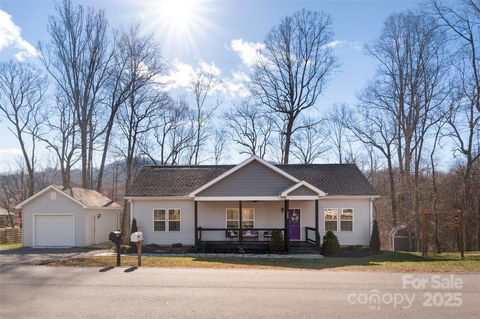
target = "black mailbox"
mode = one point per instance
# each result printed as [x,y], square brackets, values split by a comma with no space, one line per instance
[116,238]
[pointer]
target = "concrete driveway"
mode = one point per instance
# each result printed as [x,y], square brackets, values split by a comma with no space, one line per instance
[38,256]
[75,292]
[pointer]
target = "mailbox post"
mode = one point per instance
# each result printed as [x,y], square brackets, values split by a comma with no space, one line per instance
[137,238]
[116,238]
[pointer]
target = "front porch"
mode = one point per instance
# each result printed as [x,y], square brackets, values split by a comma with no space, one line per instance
[219,226]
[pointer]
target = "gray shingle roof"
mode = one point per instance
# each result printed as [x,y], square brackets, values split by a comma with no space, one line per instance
[89,197]
[333,179]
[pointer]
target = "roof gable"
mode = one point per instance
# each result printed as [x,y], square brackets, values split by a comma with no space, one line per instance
[253,178]
[303,189]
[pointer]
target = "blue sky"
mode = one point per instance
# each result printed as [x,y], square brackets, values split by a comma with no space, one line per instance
[208,35]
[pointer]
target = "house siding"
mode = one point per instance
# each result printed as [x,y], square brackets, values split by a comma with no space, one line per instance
[254,179]
[143,213]
[361,220]
[268,214]
[59,206]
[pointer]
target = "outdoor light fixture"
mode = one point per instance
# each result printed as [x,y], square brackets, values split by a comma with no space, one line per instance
[99,216]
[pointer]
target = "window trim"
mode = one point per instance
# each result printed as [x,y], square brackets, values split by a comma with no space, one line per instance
[237,208]
[167,219]
[325,221]
[340,221]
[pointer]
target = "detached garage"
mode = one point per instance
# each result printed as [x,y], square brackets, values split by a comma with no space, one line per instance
[58,217]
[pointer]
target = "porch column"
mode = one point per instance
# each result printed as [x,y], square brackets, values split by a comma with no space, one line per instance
[240,219]
[286,236]
[195,205]
[317,234]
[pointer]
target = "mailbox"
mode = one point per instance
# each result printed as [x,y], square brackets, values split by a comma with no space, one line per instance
[115,237]
[136,237]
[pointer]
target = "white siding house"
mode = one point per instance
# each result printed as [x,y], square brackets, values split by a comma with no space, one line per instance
[198,204]
[56,217]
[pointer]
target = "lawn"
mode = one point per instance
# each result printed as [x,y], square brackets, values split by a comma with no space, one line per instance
[388,261]
[10,246]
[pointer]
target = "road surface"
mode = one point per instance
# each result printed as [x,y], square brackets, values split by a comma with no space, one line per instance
[69,292]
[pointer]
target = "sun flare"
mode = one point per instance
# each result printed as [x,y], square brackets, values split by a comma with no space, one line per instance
[181,23]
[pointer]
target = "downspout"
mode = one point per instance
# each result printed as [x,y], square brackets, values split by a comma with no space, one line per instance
[131,211]
[371,216]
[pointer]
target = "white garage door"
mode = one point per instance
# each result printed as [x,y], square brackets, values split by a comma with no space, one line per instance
[53,231]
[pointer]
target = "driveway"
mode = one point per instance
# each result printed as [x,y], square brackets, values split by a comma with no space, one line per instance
[38,256]
[75,292]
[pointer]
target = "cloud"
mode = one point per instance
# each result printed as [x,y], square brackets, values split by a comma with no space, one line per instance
[249,52]
[11,151]
[182,74]
[10,36]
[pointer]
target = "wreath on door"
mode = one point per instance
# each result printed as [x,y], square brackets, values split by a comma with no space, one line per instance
[294,217]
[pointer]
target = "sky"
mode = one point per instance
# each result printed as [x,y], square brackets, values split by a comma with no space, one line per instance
[220,35]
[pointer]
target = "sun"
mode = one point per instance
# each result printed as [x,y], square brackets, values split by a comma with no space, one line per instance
[180,24]
[179,13]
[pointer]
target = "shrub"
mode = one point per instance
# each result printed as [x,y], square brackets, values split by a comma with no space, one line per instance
[375,243]
[276,243]
[330,244]
[177,245]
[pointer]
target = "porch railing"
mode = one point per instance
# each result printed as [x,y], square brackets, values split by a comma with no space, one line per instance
[236,235]
[311,235]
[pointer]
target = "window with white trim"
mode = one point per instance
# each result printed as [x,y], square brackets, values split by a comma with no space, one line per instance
[331,219]
[233,218]
[166,219]
[346,219]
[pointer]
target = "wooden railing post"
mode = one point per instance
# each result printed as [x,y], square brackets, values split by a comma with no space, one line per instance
[240,218]
[195,205]
[285,231]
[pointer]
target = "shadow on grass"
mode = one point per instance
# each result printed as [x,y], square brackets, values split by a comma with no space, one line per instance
[392,258]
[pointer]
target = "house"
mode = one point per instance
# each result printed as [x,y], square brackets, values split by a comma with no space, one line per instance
[193,205]
[59,217]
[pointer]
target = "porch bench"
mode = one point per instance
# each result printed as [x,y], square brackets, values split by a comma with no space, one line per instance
[231,234]
[250,235]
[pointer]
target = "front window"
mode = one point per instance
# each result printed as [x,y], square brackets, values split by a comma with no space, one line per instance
[331,219]
[248,218]
[164,217]
[159,220]
[346,219]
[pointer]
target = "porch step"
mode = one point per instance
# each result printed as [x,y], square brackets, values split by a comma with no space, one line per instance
[301,247]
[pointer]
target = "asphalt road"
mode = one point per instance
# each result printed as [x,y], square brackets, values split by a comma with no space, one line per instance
[64,292]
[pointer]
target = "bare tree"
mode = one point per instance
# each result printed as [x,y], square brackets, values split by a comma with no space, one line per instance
[334,121]
[293,68]
[203,85]
[78,58]
[250,127]
[461,21]
[310,141]
[62,137]
[22,90]
[219,146]
[173,133]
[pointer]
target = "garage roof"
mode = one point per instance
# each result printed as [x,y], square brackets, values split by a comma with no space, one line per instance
[88,198]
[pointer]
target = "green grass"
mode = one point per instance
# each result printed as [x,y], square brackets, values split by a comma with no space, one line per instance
[389,261]
[10,246]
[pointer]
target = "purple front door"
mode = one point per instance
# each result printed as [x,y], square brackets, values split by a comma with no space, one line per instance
[294,223]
